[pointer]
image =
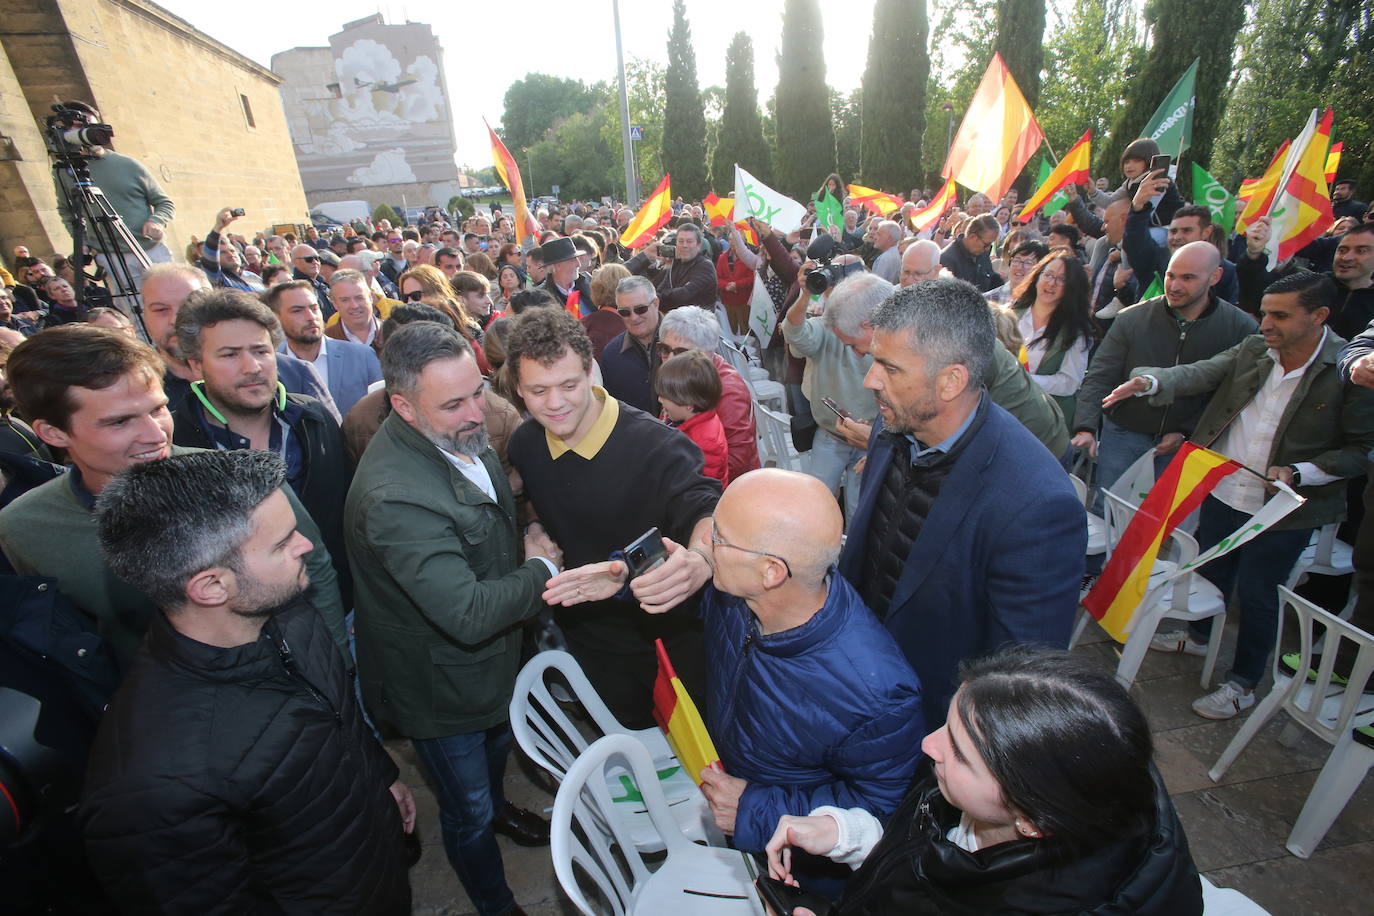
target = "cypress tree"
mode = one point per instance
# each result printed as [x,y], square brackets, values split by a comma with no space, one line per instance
[1020,39]
[805,135]
[894,95]
[1182,31]
[684,117]
[741,128]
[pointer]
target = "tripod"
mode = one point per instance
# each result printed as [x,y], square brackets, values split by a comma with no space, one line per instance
[95,219]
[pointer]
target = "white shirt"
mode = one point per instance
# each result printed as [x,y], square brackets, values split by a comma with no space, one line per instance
[371,332]
[1069,378]
[319,362]
[475,470]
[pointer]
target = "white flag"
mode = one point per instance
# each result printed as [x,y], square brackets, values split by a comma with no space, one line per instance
[756,199]
[763,315]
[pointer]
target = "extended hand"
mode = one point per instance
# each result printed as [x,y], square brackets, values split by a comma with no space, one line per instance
[1154,183]
[722,793]
[1362,373]
[1127,389]
[1282,474]
[406,803]
[593,582]
[539,544]
[223,218]
[816,835]
[673,581]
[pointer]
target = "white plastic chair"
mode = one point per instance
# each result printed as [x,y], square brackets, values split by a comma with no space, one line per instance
[763,389]
[1325,555]
[550,738]
[691,880]
[1326,708]
[1189,597]
[1097,527]
[1226,901]
[775,439]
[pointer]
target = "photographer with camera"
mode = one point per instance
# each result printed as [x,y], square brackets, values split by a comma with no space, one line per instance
[220,258]
[680,268]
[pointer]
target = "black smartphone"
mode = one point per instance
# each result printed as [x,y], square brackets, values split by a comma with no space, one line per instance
[237,211]
[645,552]
[1161,163]
[783,898]
[839,411]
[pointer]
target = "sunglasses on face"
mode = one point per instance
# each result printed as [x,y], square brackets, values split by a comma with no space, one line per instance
[311,258]
[638,310]
[666,352]
[414,295]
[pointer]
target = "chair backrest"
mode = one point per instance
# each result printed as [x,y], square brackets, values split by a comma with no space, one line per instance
[739,361]
[541,727]
[1329,710]
[1080,488]
[1180,549]
[586,835]
[1326,544]
[775,438]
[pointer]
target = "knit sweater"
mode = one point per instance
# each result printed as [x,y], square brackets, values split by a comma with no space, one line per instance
[832,371]
[131,189]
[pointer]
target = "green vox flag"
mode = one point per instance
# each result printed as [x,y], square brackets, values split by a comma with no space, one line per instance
[1156,289]
[1060,199]
[1208,192]
[829,211]
[1171,126]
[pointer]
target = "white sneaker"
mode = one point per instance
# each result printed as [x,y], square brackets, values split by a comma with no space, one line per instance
[1177,641]
[1225,702]
[1110,309]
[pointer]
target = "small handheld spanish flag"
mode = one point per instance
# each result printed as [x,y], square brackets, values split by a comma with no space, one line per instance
[677,715]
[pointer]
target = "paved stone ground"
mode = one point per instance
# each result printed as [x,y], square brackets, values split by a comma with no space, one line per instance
[1236,828]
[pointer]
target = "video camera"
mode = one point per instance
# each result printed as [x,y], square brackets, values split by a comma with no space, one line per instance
[819,279]
[71,134]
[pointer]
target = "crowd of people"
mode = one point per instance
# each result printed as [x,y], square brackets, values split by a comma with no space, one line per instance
[407,454]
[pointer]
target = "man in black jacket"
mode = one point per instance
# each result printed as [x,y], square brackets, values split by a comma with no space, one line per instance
[968,258]
[233,771]
[229,339]
[688,278]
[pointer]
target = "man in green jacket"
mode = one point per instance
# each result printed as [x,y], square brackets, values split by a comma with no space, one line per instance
[1279,407]
[443,587]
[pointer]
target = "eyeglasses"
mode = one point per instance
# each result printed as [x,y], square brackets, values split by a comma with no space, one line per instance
[413,295]
[1051,278]
[718,541]
[667,352]
[310,258]
[396,241]
[638,310]
[1023,262]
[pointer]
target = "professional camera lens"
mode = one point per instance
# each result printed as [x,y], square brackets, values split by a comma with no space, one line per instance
[818,280]
[90,135]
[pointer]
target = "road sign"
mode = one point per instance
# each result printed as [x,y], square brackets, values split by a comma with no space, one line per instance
[636,131]
[555,190]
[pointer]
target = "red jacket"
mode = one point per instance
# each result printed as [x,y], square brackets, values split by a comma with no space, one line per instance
[736,411]
[705,430]
[739,274]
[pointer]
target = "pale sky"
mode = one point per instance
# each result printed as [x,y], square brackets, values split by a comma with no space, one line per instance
[483,54]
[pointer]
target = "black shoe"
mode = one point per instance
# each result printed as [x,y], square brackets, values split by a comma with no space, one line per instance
[525,828]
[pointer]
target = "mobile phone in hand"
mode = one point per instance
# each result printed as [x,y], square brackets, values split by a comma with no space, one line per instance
[1161,163]
[784,898]
[645,552]
[839,411]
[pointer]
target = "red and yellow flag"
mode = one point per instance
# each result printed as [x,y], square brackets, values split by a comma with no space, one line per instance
[927,216]
[1301,210]
[878,202]
[1114,598]
[1333,161]
[509,173]
[655,213]
[719,211]
[1072,169]
[997,137]
[574,304]
[677,715]
[1258,193]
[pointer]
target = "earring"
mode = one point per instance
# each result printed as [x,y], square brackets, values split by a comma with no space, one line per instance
[1026,829]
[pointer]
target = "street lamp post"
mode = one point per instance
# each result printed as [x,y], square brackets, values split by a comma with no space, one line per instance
[949,132]
[529,168]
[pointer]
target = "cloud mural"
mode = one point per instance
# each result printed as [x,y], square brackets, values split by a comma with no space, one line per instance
[389,167]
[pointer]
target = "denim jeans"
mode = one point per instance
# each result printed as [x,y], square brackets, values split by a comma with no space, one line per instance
[466,772]
[831,460]
[1254,571]
[1117,449]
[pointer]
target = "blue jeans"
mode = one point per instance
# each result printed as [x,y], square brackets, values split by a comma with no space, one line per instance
[466,772]
[1117,449]
[831,460]
[1254,571]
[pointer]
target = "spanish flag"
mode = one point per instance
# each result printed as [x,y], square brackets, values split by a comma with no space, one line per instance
[997,137]
[719,211]
[657,210]
[1258,193]
[509,173]
[1301,211]
[877,202]
[1333,161]
[1114,598]
[677,715]
[1071,170]
[929,215]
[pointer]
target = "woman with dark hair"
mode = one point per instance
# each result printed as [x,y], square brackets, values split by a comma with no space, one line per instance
[428,284]
[1038,797]
[510,279]
[509,253]
[1053,312]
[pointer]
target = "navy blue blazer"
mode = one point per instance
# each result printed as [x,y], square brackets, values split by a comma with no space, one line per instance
[352,367]
[999,560]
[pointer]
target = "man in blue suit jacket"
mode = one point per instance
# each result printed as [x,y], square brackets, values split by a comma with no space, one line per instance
[968,534]
[347,368]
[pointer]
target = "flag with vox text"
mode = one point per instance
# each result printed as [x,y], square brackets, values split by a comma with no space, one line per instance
[1257,193]
[874,201]
[509,173]
[652,216]
[1171,126]
[997,137]
[756,199]
[1071,170]
[1301,209]
[1129,573]
[677,715]
[1333,161]
[1209,193]
[930,214]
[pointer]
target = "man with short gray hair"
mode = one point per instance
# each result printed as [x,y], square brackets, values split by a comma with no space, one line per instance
[968,534]
[630,359]
[888,264]
[920,262]
[687,278]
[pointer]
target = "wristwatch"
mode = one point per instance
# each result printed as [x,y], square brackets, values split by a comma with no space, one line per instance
[1297,475]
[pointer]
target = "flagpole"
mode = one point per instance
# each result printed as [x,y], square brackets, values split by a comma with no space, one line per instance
[631,198]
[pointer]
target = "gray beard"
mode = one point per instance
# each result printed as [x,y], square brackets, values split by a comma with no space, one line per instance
[470,444]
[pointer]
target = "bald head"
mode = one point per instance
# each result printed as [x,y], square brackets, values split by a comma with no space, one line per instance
[920,261]
[792,515]
[1114,219]
[1193,270]
[887,234]
[1200,257]
[351,262]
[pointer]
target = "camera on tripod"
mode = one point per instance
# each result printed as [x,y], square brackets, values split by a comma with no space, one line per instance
[71,134]
[819,279]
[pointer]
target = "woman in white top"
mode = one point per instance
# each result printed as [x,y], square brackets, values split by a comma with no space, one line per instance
[1053,314]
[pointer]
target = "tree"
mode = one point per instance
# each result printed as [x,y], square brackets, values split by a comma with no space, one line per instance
[1020,40]
[684,119]
[534,104]
[967,30]
[741,137]
[805,135]
[460,207]
[846,113]
[643,87]
[894,95]
[1182,30]
[384,212]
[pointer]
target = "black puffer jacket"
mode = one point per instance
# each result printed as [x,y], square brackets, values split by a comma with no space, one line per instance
[914,870]
[243,781]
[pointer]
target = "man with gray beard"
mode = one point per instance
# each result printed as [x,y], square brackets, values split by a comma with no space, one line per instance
[443,588]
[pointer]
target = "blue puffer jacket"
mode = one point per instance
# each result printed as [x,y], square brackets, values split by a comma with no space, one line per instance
[828,713]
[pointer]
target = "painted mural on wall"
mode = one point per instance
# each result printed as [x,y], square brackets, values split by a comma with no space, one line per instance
[371,110]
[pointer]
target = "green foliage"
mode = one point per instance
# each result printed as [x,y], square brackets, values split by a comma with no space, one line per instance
[805,135]
[1020,36]
[536,103]
[958,57]
[740,137]
[384,212]
[1181,31]
[893,97]
[1090,61]
[644,90]
[846,113]
[461,207]
[684,119]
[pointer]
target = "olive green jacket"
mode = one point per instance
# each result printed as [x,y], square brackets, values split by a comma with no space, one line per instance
[440,588]
[1327,422]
